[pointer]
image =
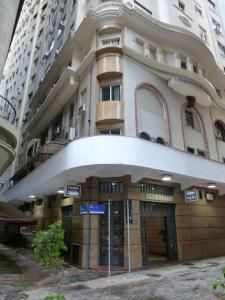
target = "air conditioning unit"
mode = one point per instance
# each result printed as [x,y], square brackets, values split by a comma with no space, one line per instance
[218,134]
[71,134]
[82,109]
[147,53]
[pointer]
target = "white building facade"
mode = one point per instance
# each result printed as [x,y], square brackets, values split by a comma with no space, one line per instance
[125,95]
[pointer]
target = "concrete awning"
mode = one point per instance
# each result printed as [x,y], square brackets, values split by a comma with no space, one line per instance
[115,156]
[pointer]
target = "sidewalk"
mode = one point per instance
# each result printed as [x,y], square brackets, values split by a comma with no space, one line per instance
[186,281]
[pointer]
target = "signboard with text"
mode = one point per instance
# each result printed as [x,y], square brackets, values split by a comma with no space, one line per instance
[191,195]
[93,209]
[72,190]
[158,197]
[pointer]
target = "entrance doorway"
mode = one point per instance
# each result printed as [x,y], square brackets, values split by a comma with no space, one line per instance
[67,212]
[117,234]
[158,233]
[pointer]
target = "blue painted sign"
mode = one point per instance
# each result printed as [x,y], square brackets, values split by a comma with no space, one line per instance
[191,195]
[93,209]
[84,209]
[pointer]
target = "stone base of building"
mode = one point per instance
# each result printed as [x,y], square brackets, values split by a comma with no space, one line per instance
[163,225]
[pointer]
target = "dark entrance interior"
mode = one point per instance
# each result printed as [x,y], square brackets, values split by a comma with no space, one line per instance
[117,234]
[67,212]
[158,233]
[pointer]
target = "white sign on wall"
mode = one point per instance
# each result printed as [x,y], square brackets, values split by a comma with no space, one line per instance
[72,190]
[191,195]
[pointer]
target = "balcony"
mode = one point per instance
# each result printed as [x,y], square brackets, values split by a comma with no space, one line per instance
[109,62]
[115,156]
[44,152]
[8,134]
[109,111]
[57,97]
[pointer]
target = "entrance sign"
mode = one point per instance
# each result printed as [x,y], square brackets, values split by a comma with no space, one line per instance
[158,197]
[191,195]
[209,196]
[72,190]
[93,209]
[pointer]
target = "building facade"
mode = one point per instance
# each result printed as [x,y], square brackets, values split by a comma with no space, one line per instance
[9,11]
[127,100]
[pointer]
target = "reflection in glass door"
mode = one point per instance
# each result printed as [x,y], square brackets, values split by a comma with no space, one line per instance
[117,234]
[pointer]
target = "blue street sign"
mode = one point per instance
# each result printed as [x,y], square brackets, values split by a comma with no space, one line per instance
[84,209]
[93,209]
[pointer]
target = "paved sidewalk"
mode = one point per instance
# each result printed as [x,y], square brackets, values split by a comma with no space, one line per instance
[185,281]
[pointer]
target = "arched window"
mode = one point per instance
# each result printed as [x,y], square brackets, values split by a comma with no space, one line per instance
[150,114]
[145,136]
[160,140]
[192,120]
[220,130]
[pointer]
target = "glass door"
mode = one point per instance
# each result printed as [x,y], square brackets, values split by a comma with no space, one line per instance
[117,234]
[67,212]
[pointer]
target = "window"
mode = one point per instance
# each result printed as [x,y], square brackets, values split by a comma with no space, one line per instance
[183,63]
[198,10]
[221,48]
[112,131]
[220,130]
[190,150]
[201,152]
[189,118]
[195,67]
[74,3]
[110,187]
[181,5]
[203,34]
[59,32]
[57,128]
[110,92]
[111,42]
[51,45]
[211,4]
[217,26]
[155,189]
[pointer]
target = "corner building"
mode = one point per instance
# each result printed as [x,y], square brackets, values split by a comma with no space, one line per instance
[129,102]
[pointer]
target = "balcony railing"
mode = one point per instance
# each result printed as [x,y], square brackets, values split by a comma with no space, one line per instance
[7,110]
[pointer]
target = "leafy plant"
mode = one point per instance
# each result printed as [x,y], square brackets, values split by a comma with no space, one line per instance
[48,246]
[55,297]
[220,282]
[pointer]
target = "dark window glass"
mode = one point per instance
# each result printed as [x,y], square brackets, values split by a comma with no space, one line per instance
[105,93]
[111,187]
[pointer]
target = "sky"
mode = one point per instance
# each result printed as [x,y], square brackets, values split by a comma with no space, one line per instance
[221,4]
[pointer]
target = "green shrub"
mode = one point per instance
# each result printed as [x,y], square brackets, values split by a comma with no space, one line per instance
[220,282]
[48,246]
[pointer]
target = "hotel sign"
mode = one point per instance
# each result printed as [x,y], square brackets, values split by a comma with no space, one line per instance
[158,197]
[191,195]
[72,190]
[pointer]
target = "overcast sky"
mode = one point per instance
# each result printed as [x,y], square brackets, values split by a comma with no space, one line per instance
[221,4]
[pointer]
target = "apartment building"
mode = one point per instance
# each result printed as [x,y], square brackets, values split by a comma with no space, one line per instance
[123,105]
[8,133]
